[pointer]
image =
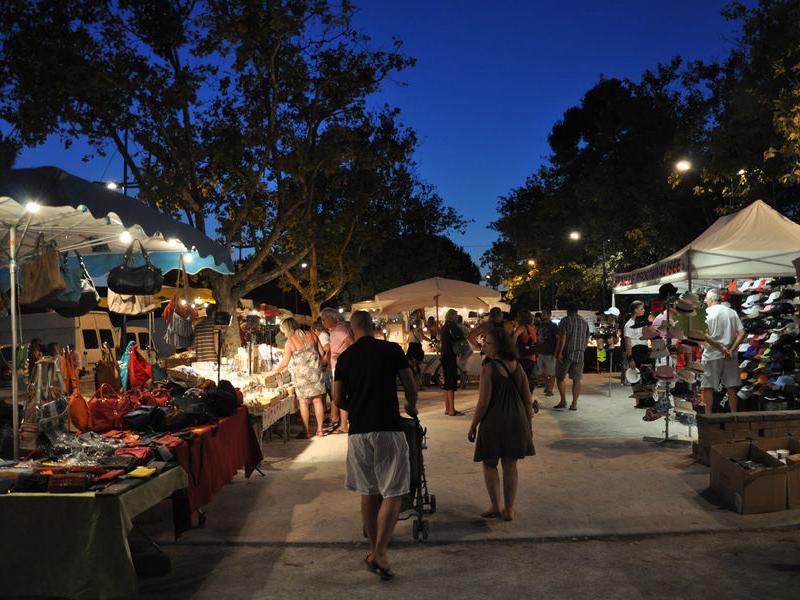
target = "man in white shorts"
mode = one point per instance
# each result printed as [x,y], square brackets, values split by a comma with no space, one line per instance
[378,467]
[725,333]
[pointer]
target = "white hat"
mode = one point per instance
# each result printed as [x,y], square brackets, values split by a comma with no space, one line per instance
[752,311]
[772,297]
[752,299]
[613,311]
[633,375]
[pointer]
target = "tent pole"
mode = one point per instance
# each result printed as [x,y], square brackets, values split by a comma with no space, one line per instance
[689,272]
[12,242]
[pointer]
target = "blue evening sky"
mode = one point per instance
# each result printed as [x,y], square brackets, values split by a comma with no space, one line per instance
[493,77]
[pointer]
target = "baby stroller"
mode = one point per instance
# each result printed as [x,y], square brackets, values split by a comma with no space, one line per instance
[418,502]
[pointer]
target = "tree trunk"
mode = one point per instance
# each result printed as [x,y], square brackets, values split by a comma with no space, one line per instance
[316,308]
[227,300]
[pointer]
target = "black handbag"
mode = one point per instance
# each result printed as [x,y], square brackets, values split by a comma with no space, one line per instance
[145,418]
[143,280]
[88,298]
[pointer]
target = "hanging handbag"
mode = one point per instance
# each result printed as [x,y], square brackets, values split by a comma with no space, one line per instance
[81,296]
[78,411]
[107,408]
[180,313]
[42,278]
[106,370]
[130,304]
[139,370]
[128,279]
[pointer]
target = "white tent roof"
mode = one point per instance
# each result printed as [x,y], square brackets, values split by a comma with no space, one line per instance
[756,241]
[431,292]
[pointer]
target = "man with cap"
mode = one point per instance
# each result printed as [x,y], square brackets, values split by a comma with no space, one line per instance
[725,333]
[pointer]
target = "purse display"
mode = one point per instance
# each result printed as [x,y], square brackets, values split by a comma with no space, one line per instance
[130,304]
[107,408]
[180,313]
[107,370]
[140,371]
[146,279]
[80,295]
[42,277]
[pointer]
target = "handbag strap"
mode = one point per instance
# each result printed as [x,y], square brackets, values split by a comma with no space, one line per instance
[129,253]
[511,379]
[183,280]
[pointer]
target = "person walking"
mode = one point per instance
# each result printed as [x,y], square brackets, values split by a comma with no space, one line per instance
[325,344]
[524,339]
[340,339]
[378,465]
[573,336]
[495,321]
[725,333]
[450,335]
[302,355]
[502,427]
[546,334]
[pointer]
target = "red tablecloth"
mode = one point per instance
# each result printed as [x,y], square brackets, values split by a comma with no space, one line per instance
[212,458]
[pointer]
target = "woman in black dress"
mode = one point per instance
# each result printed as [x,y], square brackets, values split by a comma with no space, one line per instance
[502,426]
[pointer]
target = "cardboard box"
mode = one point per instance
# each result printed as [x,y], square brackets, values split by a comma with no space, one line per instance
[792,471]
[745,491]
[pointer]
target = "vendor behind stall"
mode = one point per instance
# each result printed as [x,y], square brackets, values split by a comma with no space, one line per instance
[205,338]
[636,348]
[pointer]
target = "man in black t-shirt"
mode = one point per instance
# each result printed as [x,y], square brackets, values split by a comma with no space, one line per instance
[378,467]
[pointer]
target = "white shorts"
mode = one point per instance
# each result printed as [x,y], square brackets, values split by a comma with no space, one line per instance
[378,464]
[720,370]
[546,365]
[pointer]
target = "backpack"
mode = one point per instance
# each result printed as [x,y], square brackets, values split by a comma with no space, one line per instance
[461,345]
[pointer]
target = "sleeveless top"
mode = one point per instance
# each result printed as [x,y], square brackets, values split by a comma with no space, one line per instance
[306,369]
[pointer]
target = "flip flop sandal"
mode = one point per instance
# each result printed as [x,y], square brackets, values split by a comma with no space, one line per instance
[385,574]
[458,413]
[491,514]
[572,408]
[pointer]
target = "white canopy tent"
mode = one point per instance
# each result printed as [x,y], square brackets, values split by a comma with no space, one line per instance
[756,241]
[437,292]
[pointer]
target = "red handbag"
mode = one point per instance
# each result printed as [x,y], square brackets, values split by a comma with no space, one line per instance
[156,397]
[139,370]
[107,408]
[140,453]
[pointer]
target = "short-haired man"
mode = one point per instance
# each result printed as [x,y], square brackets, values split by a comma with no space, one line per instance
[378,467]
[573,336]
[724,334]
[206,339]
[546,335]
[495,320]
[340,339]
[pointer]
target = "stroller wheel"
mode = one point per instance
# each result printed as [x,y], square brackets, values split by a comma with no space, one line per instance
[415,530]
[425,530]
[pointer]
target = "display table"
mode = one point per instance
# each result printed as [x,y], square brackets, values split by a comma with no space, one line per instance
[266,416]
[75,545]
[212,458]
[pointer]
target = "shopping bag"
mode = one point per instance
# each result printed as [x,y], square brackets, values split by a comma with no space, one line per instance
[42,278]
[128,279]
[130,304]
[139,370]
[80,296]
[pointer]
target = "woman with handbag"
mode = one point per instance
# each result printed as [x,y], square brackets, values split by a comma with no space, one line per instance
[502,427]
[302,355]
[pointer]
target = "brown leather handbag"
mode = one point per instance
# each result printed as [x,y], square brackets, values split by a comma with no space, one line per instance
[42,278]
[107,370]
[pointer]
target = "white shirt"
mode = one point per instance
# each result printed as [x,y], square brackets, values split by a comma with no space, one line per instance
[634,333]
[324,338]
[722,324]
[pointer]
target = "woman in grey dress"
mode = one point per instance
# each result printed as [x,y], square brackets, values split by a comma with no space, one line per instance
[502,427]
[302,355]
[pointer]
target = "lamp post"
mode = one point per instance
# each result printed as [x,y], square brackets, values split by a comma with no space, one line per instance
[575,236]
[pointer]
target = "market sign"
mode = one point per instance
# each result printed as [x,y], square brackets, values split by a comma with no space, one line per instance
[656,271]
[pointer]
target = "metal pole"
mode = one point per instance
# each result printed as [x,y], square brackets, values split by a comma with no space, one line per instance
[12,252]
[540,298]
[125,167]
[603,299]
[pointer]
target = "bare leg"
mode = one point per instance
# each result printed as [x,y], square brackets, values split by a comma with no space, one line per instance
[576,391]
[549,382]
[387,519]
[452,401]
[449,402]
[343,420]
[733,399]
[369,517]
[510,480]
[319,412]
[562,389]
[708,400]
[304,413]
[492,480]
[334,412]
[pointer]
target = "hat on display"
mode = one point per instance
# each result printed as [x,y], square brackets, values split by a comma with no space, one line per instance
[658,344]
[650,333]
[783,308]
[751,312]
[685,308]
[665,373]
[783,381]
[675,332]
[690,298]
[667,291]
[633,375]
[696,366]
[752,299]
[773,297]
[746,286]
[612,312]
[697,335]
[688,376]
[776,281]
[745,392]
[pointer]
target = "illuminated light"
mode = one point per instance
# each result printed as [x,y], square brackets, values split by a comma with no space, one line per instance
[341,310]
[683,165]
[174,242]
[198,301]
[32,207]
[205,304]
[187,257]
[125,237]
[385,332]
[531,262]
[575,235]
[741,171]
[424,329]
[480,311]
[183,302]
[112,185]
[303,265]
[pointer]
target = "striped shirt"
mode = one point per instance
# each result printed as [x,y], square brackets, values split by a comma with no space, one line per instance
[204,341]
[576,332]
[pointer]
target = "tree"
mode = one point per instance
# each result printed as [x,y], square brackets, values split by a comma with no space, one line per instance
[237,112]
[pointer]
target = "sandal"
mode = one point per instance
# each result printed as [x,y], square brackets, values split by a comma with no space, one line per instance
[385,574]
[320,433]
[491,514]
[457,413]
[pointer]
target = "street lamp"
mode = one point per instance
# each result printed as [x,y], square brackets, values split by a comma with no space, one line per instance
[531,262]
[683,165]
[303,265]
[574,235]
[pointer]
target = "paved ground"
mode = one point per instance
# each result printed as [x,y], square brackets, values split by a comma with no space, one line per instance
[651,529]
